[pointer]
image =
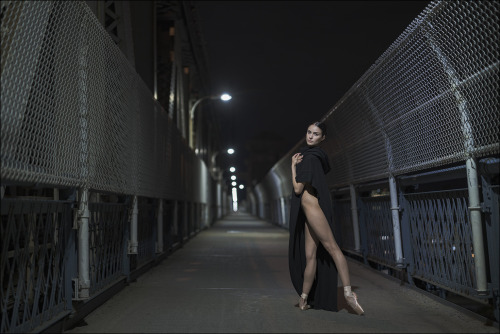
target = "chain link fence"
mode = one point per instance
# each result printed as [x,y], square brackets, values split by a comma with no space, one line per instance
[431,99]
[75,113]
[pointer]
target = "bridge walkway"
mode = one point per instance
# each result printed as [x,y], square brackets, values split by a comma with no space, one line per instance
[233,278]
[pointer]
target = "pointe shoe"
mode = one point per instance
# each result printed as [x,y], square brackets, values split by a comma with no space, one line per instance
[352,301]
[303,302]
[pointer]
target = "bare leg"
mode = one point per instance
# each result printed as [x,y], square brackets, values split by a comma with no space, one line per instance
[311,244]
[319,225]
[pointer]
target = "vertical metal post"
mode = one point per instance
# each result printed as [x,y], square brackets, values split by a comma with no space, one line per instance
[219,198]
[283,211]
[159,244]
[83,245]
[132,244]
[477,226]
[472,182]
[83,214]
[175,222]
[354,214]
[395,221]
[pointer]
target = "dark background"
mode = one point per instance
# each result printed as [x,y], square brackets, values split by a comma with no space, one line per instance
[287,63]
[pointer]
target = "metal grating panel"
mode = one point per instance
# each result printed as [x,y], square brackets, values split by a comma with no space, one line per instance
[106,243]
[379,229]
[34,236]
[441,239]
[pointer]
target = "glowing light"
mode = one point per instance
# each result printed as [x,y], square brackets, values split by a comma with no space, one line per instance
[233,184]
[225,97]
[242,186]
[235,199]
[233,177]
[232,169]
[230,151]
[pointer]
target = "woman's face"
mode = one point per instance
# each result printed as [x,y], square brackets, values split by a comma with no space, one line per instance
[314,135]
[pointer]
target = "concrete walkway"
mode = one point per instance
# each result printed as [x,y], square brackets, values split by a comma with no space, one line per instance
[233,278]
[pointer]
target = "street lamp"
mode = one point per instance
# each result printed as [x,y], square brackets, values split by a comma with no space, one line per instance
[223,97]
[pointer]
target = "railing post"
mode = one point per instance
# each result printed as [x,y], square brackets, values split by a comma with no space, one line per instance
[283,211]
[354,215]
[132,244]
[159,243]
[395,222]
[471,166]
[83,246]
[175,221]
[406,236]
[477,226]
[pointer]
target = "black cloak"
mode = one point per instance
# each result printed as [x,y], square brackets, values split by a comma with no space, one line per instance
[312,170]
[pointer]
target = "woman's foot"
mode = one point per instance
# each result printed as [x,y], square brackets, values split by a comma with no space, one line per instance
[352,300]
[303,302]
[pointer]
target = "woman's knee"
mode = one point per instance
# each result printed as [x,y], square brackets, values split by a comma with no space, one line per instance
[332,248]
[311,256]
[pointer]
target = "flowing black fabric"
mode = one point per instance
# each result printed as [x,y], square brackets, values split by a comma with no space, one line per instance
[312,170]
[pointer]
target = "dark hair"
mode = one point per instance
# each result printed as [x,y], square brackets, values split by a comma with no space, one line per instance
[322,126]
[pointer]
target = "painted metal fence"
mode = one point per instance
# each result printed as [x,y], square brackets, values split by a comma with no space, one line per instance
[414,148]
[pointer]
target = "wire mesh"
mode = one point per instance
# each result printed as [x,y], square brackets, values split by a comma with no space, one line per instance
[75,112]
[429,100]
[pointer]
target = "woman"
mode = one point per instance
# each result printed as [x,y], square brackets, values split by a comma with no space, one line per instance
[314,256]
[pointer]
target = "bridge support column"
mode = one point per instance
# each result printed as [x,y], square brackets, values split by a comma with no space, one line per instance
[83,246]
[477,227]
[395,222]
[132,244]
[354,214]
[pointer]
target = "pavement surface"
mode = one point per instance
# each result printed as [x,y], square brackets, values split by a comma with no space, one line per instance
[233,278]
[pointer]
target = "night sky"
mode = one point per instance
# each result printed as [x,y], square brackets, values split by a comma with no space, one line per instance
[287,63]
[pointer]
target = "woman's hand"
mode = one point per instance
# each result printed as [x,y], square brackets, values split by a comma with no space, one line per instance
[297,158]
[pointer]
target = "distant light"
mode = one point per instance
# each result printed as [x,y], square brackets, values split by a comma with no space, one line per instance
[225,97]
[242,186]
[233,184]
[233,177]
[232,169]
[230,151]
